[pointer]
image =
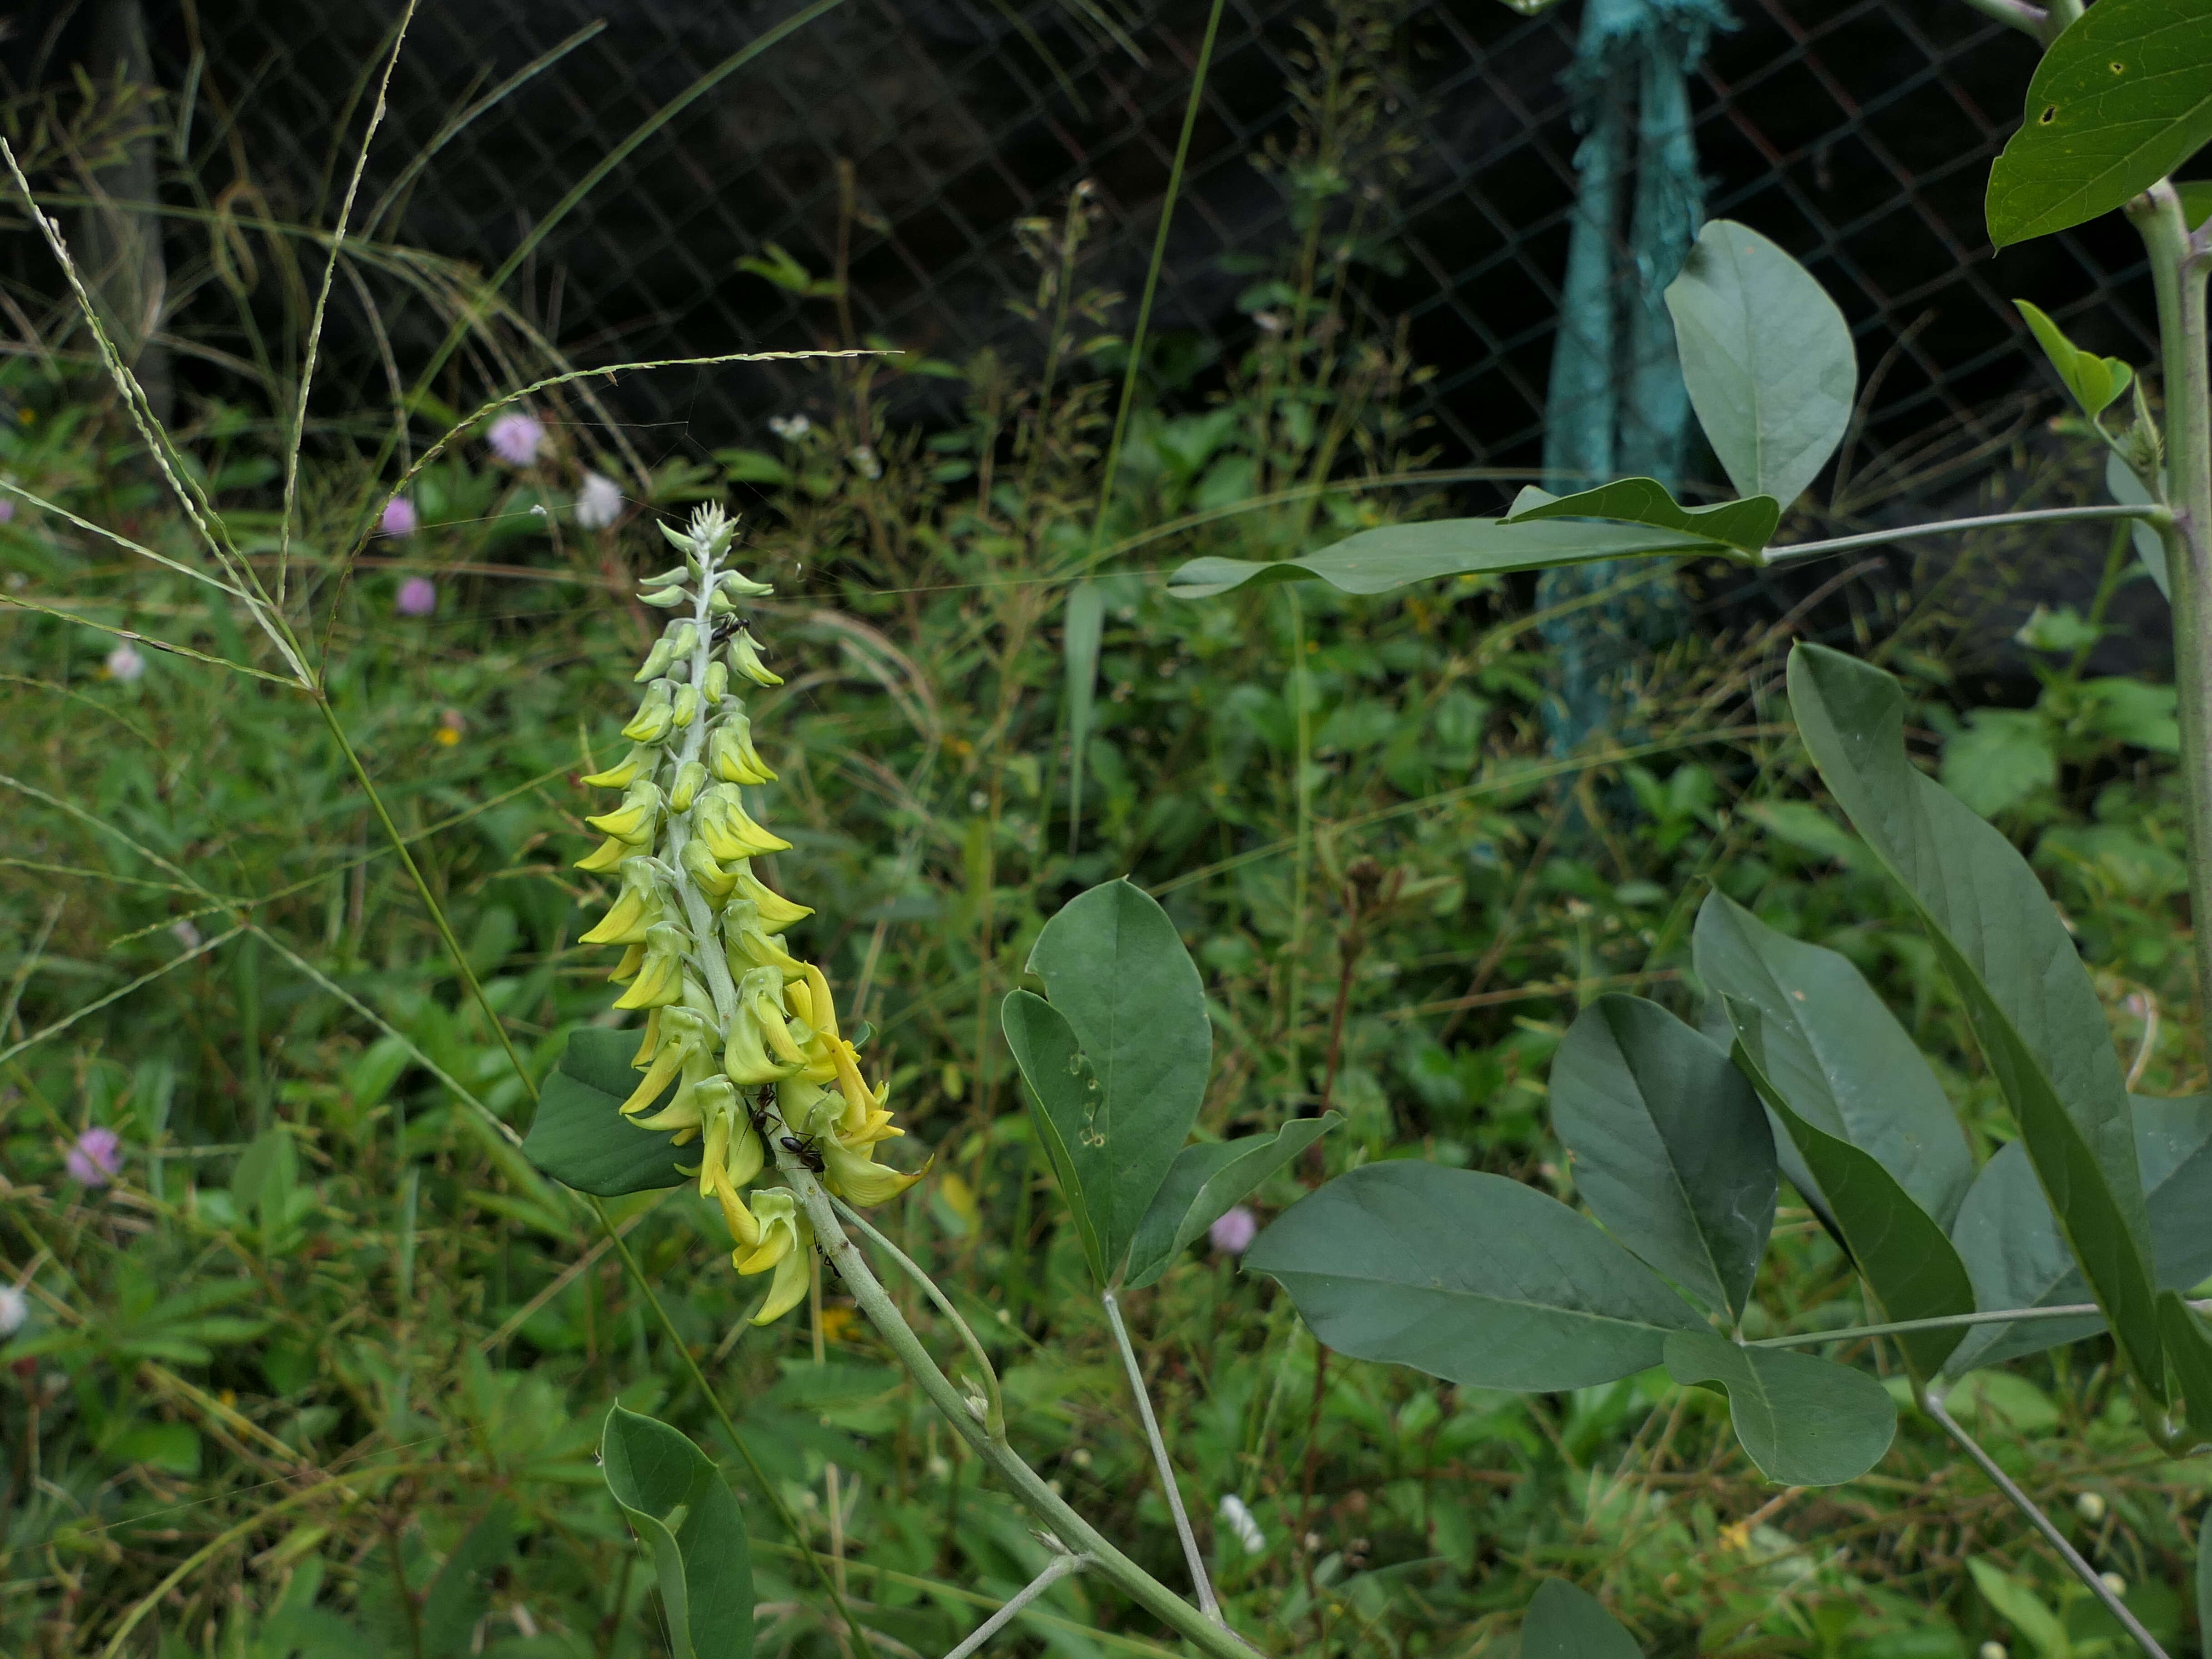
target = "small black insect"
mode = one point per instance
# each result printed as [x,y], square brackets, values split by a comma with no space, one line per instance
[726,629]
[805,1151]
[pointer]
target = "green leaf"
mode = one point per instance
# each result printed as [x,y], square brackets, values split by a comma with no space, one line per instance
[2129,490]
[1806,1422]
[1670,1149]
[1832,1048]
[1063,1087]
[2011,1245]
[460,1594]
[2203,1580]
[1901,1250]
[1746,526]
[1566,1622]
[1469,1277]
[677,1502]
[2195,201]
[2016,1604]
[2094,380]
[1395,555]
[174,1447]
[2027,994]
[2120,100]
[2003,756]
[1116,972]
[1767,359]
[1204,1182]
[2189,1347]
[580,1138]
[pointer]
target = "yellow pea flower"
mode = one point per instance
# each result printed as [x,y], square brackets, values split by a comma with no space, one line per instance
[785,1241]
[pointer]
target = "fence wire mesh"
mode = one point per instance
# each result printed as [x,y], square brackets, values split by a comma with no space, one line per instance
[917,136]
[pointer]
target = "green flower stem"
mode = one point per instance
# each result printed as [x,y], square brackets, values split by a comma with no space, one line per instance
[2019,1500]
[696,911]
[1202,1633]
[2177,271]
[1941,1322]
[2156,515]
[1056,1570]
[994,1405]
[1207,1602]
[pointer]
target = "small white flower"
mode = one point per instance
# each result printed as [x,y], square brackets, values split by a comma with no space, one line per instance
[1990,1651]
[124,664]
[2114,1582]
[599,502]
[2090,1506]
[185,933]
[865,462]
[1239,1521]
[15,1309]
[790,428]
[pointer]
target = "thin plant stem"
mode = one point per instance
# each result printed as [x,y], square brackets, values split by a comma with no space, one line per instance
[1207,1635]
[1207,1602]
[1941,1322]
[1056,1570]
[2177,273]
[994,1409]
[2028,1506]
[1137,337]
[323,303]
[1302,850]
[2153,514]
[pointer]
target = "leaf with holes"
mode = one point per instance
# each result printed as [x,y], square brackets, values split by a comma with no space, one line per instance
[2122,98]
[1670,1149]
[1806,1422]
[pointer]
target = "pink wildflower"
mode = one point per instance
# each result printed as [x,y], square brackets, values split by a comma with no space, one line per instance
[398,518]
[514,438]
[95,1158]
[1233,1234]
[418,597]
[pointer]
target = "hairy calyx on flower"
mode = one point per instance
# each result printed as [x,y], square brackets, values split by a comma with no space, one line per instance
[741,1036]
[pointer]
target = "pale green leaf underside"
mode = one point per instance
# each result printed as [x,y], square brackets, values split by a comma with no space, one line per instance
[1746,526]
[1805,1422]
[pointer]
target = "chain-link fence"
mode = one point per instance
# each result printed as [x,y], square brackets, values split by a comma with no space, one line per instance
[909,138]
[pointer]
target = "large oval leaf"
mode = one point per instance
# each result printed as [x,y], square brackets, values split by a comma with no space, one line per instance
[2026,993]
[1064,1092]
[1905,1257]
[1806,1422]
[1768,358]
[1377,561]
[1469,1277]
[579,1137]
[2010,1241]
[1670,1149]
[680,1508]
[1566,1622]
[1832,1048]
[2123,98]
[1115,970]
[1205,1182]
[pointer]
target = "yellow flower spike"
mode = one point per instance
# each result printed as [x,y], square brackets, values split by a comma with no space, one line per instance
[785,1243]
[776,912]
[633,820]
[689,778]
[649,1044]
[700,864]
[860,1099]
[638,763]
[733,757]
[662,1072]
[761,1005]
[748,1156]
[717,1147]
[735,1216]
[728,829]
[660,976]
[638,908]
[681,1114]
[626,969]
[824,1016]
[745,659]
[745,1060]
[856,1179]
[681,1037]
[607,855]
[750,948]
[654,715]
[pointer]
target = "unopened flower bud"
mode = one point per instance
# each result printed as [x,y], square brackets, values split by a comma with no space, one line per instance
[686,707]
[634,819]
[689,778]
[664,599]
[638,763]
[701,866]
[659,979]
[730,751]
[2090,1506]
[654,716]
[737,584]
[716,686]
[669,578]
[745,659]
